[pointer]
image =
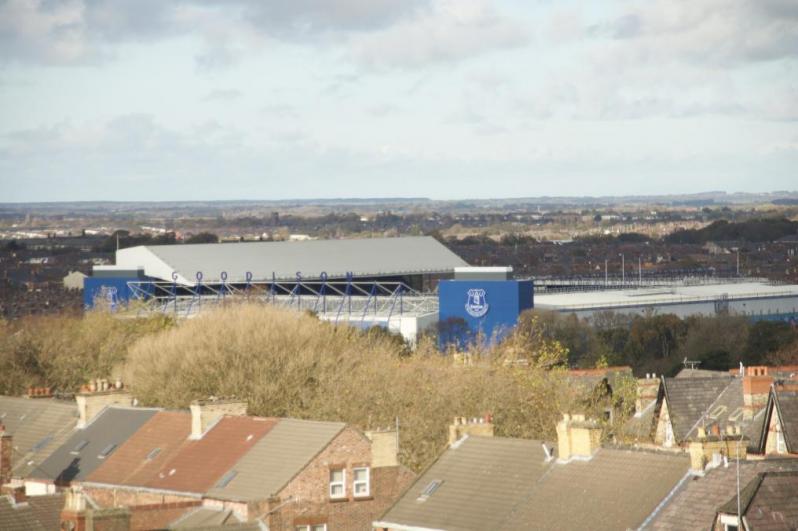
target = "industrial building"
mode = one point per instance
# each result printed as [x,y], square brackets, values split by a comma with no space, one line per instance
[757,299]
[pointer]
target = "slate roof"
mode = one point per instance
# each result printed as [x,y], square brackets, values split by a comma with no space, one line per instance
[38,427]
[701,373]
[616,489]
[482,480]
[787,405]
[199,464]
[728,409]
[276,458]
[363,257]
[80,455]
[689,399]
[695,504]
[38,513]
[639,428]
[507,484]
[138,461]
[770,502]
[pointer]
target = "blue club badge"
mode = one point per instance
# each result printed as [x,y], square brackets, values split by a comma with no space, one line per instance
[476,305]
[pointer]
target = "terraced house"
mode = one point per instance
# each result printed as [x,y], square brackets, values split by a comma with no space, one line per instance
[215,464]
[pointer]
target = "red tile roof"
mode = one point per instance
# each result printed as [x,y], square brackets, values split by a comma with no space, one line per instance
[136,462]
[199,464]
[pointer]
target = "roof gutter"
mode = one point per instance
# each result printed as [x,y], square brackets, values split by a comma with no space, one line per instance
[401,527]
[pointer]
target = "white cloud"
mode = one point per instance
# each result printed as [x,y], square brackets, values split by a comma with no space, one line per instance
[717,33]
[451,31]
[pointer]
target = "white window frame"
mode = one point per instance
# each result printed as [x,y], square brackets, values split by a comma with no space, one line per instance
[309,527]
[729,522]
[367,482]
[342,483]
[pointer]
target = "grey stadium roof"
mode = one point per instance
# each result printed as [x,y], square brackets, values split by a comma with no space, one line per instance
[363,257]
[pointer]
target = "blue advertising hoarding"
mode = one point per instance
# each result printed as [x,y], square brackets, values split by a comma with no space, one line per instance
[488,308]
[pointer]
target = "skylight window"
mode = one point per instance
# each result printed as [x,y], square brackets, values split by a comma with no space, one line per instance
[78,447]
[717,412]
[153,454]
[227,478]
[107,451]
[44,441]
[736,415]
[430,489]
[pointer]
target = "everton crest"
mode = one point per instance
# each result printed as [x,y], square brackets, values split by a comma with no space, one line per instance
[476,306]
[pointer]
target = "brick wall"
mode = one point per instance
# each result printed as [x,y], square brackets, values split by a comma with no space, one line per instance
[349,450]
[6,448]
[159,516]
[121,497]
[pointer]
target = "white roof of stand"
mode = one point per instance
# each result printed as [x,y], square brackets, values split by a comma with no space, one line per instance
[363,257]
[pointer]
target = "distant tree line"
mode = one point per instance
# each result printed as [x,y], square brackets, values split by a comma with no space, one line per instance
[754,230]
[660,342]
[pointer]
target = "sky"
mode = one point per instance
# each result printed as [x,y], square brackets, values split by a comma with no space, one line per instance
[447,99]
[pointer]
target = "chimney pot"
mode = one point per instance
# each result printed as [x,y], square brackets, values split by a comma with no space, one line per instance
[91,404]
[480,426]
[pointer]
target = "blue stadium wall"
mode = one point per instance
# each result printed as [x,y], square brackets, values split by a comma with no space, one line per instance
[110,291]
[469,309]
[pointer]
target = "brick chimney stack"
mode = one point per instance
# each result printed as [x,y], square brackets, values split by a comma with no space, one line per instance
[77,515]
[205,413]
[756,387]
[708,449]
[577,438]
[384,447]
[647,391]
[98,395]
[482,426]
[6,449]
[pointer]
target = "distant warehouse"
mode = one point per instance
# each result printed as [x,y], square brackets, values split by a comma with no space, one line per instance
[756,299]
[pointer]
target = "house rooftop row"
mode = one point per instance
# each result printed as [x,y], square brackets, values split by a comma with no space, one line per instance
[482,482]
[102,463]
[131,467]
